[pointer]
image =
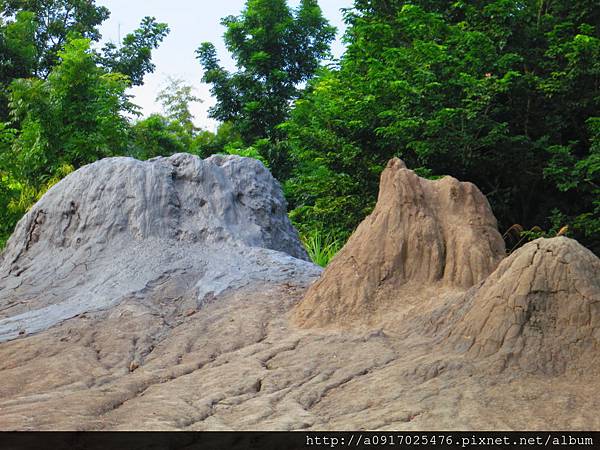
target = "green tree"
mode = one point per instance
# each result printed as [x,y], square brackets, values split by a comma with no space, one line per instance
[50,22]
[276,49]
[74,117]
[176,99]
[171,132]
[7,191]
[32,32]
[156,135]
[225,138]
[500,93]
[17,54]
[134,56]
[54,20]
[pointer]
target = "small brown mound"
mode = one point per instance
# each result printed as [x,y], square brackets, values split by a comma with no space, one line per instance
[540,310]
[422,234]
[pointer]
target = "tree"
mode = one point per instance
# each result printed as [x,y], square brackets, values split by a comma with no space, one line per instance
[156,135]
[32,32]
[502,93]
[171,132]
[175,99]
[7,193]
[134,57]
[17,54]
[276,49]
[73,118]
[225,139]
[55,20]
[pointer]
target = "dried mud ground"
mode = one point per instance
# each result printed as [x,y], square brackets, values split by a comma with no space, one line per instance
[240,364]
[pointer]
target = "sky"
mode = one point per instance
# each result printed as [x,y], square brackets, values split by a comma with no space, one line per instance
[191,23]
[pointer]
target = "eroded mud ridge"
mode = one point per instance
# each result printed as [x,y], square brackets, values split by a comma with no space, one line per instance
[174,294]
[422,234]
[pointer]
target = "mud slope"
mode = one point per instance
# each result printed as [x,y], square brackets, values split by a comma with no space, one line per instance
[539,311]
[172,295]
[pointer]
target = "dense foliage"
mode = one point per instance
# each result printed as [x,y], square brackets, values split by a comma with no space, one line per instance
[49,22]
[502,93]
[133,57]
[34,32]
[72,118]
[174,131]
[168,133]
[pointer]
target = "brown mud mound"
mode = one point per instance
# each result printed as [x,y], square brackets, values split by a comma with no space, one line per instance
[539,311]
[427,266]
[422,234]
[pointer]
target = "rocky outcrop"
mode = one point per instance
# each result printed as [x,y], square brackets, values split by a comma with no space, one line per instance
[184,198]
[422,234]
[178,226]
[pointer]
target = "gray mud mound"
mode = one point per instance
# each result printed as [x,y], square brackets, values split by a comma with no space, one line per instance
[539,311]
[422,234]
[177,227]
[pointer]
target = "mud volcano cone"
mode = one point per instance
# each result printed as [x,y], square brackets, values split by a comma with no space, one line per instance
[422,234]
[177,226]
[539,311]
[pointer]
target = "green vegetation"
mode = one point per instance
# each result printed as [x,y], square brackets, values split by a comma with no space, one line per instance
[321,246]
[173,132]
[502,93]
[275,49]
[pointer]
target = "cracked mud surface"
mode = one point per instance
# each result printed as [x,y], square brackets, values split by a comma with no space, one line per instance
[239,364]
[192,313]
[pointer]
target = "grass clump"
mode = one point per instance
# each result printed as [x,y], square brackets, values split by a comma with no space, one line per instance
[321,246]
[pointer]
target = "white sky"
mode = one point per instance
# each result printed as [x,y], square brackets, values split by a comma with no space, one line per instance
[191,23]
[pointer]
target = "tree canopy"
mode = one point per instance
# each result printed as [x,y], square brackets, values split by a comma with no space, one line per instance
[34,32]
[171,132]
[74,117]
[501,93]
[276,48]
[133,57]
[53,21]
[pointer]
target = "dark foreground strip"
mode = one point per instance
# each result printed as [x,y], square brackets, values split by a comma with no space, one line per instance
[296,440]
